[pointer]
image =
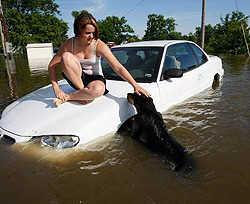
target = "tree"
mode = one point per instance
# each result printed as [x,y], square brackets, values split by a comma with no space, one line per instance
[77,13]
[209,29]
[33,21]
[114,29]
[133,38]
[159,28]
[228,37]
[191,37]
[225,37]
[31,6]
[209,34]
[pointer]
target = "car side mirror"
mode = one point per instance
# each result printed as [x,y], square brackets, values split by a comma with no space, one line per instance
[172,73]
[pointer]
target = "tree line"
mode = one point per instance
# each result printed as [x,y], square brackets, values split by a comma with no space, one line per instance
[34,21]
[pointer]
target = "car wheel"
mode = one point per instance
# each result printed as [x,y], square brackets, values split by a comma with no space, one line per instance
[216,82]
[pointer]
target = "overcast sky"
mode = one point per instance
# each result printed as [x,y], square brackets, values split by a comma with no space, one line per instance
[187,13]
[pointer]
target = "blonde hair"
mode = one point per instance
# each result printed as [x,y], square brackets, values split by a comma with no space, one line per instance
[82,20]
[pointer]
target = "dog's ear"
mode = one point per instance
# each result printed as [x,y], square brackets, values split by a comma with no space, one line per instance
[130,98]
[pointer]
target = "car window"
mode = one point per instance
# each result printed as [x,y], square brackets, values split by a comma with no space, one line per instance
[200,56]
[170,62]
[179,56]
[141,62]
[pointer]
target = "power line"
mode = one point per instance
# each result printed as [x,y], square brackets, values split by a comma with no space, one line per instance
[236,5]
[134,8]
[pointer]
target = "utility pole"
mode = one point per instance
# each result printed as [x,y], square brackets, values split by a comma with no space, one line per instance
[203,23]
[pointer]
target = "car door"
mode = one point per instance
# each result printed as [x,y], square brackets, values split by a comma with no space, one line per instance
[204,68]
[174,90]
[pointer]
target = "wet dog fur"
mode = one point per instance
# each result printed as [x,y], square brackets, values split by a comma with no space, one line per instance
[148,127]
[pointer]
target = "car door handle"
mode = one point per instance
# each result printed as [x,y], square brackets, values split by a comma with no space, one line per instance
[200,77]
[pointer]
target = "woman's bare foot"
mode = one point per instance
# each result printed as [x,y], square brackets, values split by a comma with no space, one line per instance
[84,102]
[57,102]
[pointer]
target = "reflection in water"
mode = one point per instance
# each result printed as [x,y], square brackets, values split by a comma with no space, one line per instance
[11,73]
[17,79]
[213,125]
[39,64]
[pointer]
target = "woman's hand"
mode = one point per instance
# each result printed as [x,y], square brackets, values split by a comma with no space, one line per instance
[104,51]
[139,90]
[61,95]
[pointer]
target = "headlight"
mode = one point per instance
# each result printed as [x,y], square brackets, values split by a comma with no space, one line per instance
[57,141]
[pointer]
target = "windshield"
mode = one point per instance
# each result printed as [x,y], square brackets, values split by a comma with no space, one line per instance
[141,62]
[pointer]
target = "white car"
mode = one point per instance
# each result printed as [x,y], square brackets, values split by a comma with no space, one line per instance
[171,71]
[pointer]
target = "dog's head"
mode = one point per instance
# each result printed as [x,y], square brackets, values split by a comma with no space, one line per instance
[142,103]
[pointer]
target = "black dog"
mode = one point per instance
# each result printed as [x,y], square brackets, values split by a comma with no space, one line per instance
[148,126]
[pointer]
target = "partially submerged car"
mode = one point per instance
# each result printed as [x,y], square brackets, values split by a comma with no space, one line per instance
[171,71]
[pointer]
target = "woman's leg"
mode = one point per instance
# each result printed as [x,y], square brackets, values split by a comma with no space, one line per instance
[72,69]
[85,95]
[94,90]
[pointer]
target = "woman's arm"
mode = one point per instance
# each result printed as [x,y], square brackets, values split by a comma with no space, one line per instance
[52,71]
[54,63]
[104,51]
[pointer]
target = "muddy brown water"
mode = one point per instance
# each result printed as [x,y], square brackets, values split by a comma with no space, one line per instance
[214,125]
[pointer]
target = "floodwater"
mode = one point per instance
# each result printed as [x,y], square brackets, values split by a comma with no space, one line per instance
[214,125]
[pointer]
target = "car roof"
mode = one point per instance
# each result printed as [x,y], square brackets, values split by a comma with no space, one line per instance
[158,43]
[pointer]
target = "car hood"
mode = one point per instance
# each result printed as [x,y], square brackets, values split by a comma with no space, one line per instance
[36,115]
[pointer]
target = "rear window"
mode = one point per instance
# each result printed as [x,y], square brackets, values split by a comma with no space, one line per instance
[183,54]
[200,56]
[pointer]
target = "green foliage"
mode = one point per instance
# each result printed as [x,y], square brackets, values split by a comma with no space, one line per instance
[114,29]
[33,21]
[31,6]
[77,13]
[159,28]
[227,36]
[191,37]
[133,38]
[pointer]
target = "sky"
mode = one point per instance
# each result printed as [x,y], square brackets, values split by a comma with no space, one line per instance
[187,13]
